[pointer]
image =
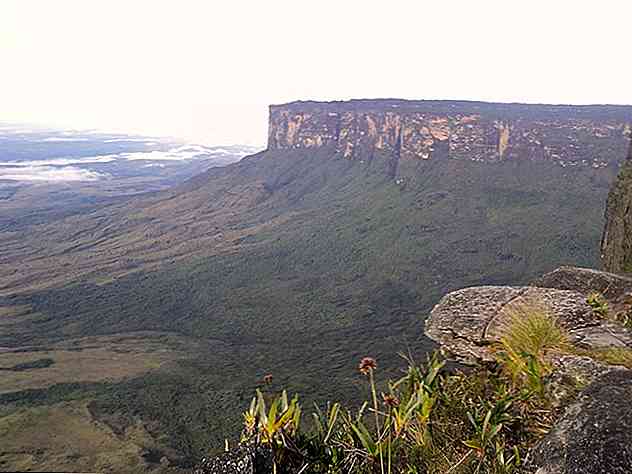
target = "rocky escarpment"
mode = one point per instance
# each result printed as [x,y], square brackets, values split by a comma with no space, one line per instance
[568,135]
[468,322]
[616,244]
[593,435]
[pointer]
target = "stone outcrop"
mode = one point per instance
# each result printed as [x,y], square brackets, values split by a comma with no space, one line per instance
[568,135]
[595,434]
[468,322]
[616,243]
[586,281]
[244,459]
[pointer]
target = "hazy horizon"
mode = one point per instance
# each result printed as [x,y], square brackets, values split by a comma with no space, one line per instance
[207,73]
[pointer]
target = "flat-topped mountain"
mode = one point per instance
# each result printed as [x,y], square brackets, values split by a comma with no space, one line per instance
[297,261]
[478,131]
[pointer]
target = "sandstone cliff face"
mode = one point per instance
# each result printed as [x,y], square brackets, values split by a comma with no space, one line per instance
[568,135]
[616,243]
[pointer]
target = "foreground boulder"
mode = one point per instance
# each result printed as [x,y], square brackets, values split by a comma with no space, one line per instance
[468,322]
[595,434]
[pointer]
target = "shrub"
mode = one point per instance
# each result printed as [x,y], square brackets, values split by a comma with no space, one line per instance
[431,420]
[598,303]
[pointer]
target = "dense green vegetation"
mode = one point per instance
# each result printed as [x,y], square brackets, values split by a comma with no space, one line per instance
[348,264]
[429,420]
[36,364]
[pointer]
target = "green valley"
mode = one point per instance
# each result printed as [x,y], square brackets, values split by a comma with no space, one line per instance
[163,312]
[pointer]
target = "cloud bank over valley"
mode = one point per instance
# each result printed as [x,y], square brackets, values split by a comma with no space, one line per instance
[71,156]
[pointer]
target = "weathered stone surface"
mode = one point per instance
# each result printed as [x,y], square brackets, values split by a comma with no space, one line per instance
[595,434]
[616,289]
[616,242]
[583,369]
[585,281]
[571,371]
[245,459]
[468,321]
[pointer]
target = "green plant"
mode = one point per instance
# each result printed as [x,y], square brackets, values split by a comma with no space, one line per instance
[598,303]
[488,425]
[360,446]
[610,355]
[367,367]
[326,422]
[412,418]
[324,446]
[429,420]
[528,340]
[276,427]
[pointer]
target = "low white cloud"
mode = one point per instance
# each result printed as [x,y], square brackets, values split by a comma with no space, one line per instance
[65,139]
[157,156]
[72,169]
[49,174]
[241,151]
[60,161]
[130,139]
[181,153]
[18,131]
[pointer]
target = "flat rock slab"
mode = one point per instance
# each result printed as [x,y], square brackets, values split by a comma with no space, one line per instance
[585,281]
[595,434]
[468,322]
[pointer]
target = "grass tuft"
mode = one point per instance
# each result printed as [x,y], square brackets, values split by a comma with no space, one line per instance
[611,355]
[530,337]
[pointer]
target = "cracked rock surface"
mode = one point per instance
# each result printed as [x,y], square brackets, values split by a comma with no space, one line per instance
[595,434]
[468,322]
[586,281]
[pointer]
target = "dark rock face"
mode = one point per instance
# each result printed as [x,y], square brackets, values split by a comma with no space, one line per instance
[568,135]
[467,322]
[616,243]
[245,459]
[595,434]
[616,289]
[585,281]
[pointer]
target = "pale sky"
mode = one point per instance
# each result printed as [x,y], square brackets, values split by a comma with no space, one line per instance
[207,70]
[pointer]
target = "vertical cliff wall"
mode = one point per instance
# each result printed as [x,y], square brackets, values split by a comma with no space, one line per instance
[616,244]
[568,135]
